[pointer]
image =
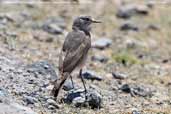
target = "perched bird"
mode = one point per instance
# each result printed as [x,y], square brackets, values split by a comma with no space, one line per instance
[74,51]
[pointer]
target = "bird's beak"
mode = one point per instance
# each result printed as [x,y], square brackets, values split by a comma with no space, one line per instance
[95,21]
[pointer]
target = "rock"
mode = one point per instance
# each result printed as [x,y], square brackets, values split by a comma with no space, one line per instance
[42,68]
[136,112]
[139,90]
[2,92]
[118,75]
[30,100]
[72,94]
[94,99]
[53,103]
[51,107]
[77,97]
[127,11]
[53,29]
[54,25]
[3,95]
[79,101]
[142,9]
[99,58]
[91,75]
[68,85]
[153,27]
[102,43]
[126,88]
[126,26]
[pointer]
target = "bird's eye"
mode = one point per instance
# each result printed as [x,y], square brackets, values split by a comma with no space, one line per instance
[87,19]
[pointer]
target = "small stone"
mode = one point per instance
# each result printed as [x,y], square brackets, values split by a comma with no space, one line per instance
[52,103]
[136,112]
[142,9]
[125,12]
[129,10]
[153,27]
[118,75]
[68,85]
[101,59]
[91,75]
[129,26]
[102,43]
[138,90]
[78,101]
[53,29]
[51,107]
[126,88]
[30,100]
[54,25]
[72,94]
[94,99]
[2,92]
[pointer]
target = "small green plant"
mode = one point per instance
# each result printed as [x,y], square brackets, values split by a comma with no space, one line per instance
[126,58]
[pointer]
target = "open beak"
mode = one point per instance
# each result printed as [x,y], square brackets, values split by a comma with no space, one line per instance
[95,21]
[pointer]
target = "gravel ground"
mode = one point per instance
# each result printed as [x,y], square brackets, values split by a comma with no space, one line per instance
[128,69]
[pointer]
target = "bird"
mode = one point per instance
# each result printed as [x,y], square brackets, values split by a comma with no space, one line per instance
[74,51]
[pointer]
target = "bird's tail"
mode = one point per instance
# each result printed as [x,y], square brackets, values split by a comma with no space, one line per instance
[58,84]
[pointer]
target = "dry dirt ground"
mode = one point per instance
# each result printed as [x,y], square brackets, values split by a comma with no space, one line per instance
[142,53]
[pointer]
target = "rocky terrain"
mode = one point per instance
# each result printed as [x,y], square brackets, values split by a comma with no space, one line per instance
[128,69]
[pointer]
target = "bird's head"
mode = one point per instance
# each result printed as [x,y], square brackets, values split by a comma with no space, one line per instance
[84,23]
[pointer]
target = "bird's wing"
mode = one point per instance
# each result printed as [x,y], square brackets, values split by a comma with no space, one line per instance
[75,46]
[73,40]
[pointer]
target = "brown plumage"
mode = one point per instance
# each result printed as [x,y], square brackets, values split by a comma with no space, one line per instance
[74,51]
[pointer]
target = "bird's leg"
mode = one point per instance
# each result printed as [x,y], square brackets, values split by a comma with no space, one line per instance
[80,74]
[58,84]
[72,81]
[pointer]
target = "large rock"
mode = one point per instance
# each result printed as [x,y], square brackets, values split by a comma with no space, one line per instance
[77,97]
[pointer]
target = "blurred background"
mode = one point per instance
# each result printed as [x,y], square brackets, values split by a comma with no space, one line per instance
[131,49]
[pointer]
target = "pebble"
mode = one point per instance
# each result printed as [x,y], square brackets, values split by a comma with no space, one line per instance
[30,100]
[118,75]
[99,58]
[126,26]
[53,103]
[91,75]
[102,43]
[94,99]
[129,10]
[68,85]
[54,25]
[139,90]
